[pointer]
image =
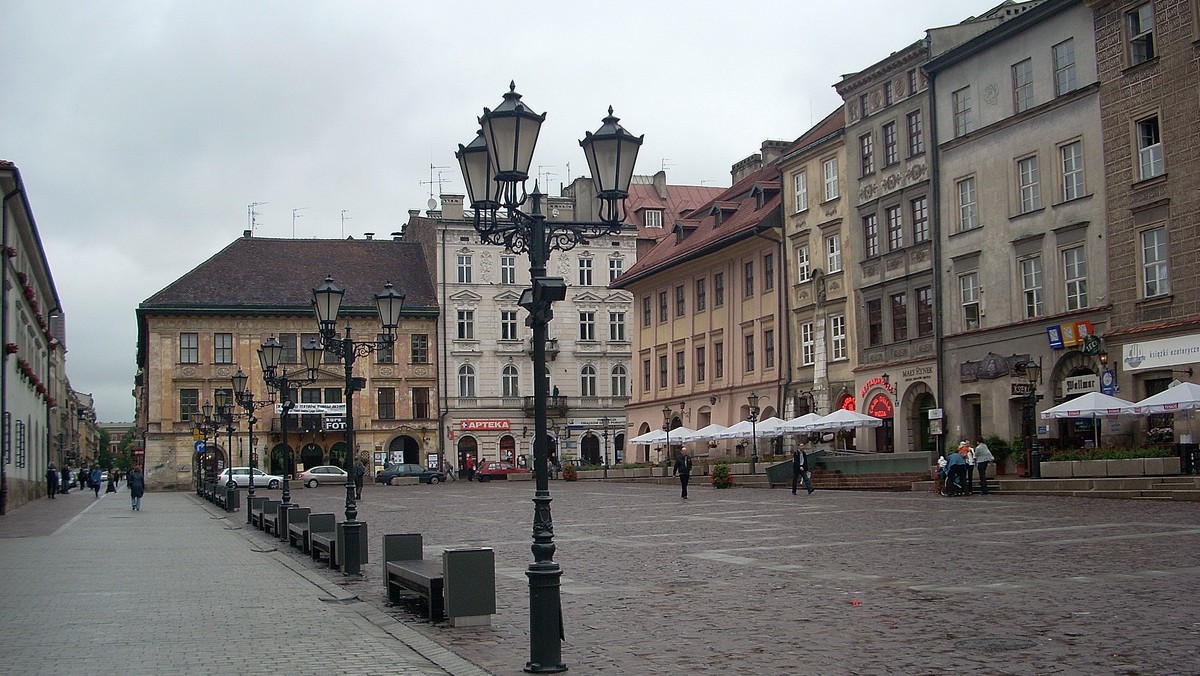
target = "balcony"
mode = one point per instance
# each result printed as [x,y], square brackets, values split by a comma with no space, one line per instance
[554,405]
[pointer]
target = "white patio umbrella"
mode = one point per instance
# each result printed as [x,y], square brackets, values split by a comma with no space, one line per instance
[660,436]
[843,419]
[770,428]
[799,425]
[707,433]
[1092,405]
[1181,397]
[739,430]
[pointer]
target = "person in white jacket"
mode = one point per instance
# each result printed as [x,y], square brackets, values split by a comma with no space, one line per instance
[983,457]
[968,454]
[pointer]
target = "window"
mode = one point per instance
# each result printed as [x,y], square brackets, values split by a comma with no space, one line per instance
[916,134]
[662,306]
[645,375]
[718,360]
[701,295]
[1072,170]
[700,364]
[466,324]
[466,380]
[288,340]
[508,269]
[895,226]
[510,381]
[925,311]
[831,178]
[420,348]
[968,218]
[913,81]
[1149,145]
[615,267]
[464,269]
[874,322]
[891,154]
[749,341]
[837,336]
[420,403]
[870,224]
[223,348]
[386,353]
[1022,81]
[1154,263]
[585,272]
[680,368]
[189,404]
[833,254]
[620,381]
[1030,187]
[768,272]
[808,345]
[1064,67]
[508,325]
[919,208]
[587,381]
[189,348]
[863,102]
[719,289]
[662,370]
[587,326]
[963,124]
[616,326]
[769,348]
[652,218]
[800,183]
[802,266]
[680,301]
[1075,276]
[1031,286]
[646,311]
[900,317]
[385,401]
[1141,34]
[887,93]
[748,269]
[968,289]
[866,154]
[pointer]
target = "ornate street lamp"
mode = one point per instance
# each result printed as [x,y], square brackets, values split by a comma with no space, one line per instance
[327,301]
[278,381]
[667,416]
[753,399]
[495,166]
[245,399]
[1033,371]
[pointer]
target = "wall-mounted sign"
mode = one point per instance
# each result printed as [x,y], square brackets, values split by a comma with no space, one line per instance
[1077,385]
[314,409]
[334,423]
[880,406]
[875,382]
[1155,354]
[1021,389]
[1072,334]
[486,425]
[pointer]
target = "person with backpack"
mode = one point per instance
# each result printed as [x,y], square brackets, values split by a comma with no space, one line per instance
[94,479]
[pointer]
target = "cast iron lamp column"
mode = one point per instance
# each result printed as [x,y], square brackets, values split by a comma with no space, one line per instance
[753,399]
[245,399]
[268,358]
[226,415]
[327,300]
[1033,371]
[495,166]
[667,415]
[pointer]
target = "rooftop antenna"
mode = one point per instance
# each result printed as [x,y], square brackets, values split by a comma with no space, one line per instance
[544,176]
[666,163]
[344,219]
[432,181]
[252,215]
[296,215]
[568,173]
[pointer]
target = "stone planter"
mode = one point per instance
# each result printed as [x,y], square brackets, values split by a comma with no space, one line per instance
[1086,468]
[1056,470]
[1078,469]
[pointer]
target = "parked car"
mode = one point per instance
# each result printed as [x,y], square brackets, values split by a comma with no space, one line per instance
[241,475]
[323,474]
[486,471]
[424,474]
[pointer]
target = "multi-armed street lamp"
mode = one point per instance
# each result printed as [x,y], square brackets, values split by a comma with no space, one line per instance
[1033,371]
[245,399]
[226,415]
[668,414]
[327,300]
[754,410]
[203,425]
[284,385]
[495,167]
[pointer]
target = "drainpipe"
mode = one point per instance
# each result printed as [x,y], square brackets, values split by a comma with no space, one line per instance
[443,407]
[935,194]
[4,265]
[781,387]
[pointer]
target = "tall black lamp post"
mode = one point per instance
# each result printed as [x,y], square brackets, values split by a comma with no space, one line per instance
[753,399]
[204,425]
[278,379]
[226,415]
[1033,371]
[668,414]
[495,167]
[245,399]
[327,300]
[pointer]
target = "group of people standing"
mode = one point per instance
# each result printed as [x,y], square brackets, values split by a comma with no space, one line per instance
[959,466]
[60,481]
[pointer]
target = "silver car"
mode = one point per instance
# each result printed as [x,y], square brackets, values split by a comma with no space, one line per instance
[241,475]
[324,474]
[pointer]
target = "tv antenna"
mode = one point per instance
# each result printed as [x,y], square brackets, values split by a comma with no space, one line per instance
[666,164]
[252,215]
[295,215]
[544,175]
[344,219]
[434,181]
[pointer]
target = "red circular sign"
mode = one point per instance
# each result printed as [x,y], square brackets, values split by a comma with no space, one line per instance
[880,406]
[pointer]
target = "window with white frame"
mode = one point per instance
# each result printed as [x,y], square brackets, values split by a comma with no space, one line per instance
[891,154]
[585,272]
[1031,286]
[464,269]
[619,378]
[870,225]
[508,269]
[1075,278]
[587,381]
[1149,147]
[615,267]
[830,167]
[800,185]
[968,216]
[916,133]
[1022,82]
[189,348]
[808,344]
[510,381]
[508,325]
[803,270]
[920,219]
[616,326]
[652,218]
[866,154]
[1064,67]
[963,122]
[968,290]
[748,279]
[833,253]
[587,326]
[1154,263]
[837,337]
[895,228]
[1030,185]
[466,381]
[223,348]
[466,325]
[1140,33]
[768,272]
[680,301]
[1072,170]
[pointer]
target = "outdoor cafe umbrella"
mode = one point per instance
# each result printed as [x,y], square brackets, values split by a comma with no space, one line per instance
[660,436]
[1179,397]
[799,425]
[704,433]
[1092,405]
[842,419]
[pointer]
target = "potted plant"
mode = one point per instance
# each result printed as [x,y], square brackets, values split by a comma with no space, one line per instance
[721,476]
[569,472]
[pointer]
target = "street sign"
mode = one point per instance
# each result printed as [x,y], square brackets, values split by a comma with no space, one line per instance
[200,446]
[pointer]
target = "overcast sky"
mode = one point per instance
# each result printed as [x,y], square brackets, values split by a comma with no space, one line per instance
[144,129]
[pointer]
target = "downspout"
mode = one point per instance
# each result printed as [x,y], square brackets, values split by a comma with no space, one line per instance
[781,388]
[935,180]
[4,340]
[443,406]
[50,347]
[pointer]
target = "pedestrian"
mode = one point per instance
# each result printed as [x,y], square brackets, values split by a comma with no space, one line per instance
[359,472]
[94,479]
[112,482]
[117,477]
[956,473]
[51,481]
[137,487]
[470,468]
[800,470]
[64,486]
[82,475]
[983,457]
[683,468]
[968,454]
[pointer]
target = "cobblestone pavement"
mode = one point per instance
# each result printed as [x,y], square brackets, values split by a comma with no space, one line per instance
[761,581]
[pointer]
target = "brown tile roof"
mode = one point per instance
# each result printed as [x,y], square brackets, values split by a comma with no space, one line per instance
[680,201]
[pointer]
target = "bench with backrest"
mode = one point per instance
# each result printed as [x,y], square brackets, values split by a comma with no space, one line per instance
[337,558]
[266,507]
[275,520]
[254,508]
[406,569]
[322,537]
[461,584]
[299,533]
[289,516]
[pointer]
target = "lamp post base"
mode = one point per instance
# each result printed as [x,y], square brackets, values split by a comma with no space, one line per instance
[545,619]
[351,553]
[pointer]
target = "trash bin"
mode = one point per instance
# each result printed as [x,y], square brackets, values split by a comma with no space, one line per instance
[1189,458]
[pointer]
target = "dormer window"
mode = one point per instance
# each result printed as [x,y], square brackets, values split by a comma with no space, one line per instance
[652,218]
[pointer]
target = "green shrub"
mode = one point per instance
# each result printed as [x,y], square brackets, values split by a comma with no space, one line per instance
[1112,454]
[721,478]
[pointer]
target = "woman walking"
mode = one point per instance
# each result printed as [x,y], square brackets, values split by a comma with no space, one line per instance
[137,487]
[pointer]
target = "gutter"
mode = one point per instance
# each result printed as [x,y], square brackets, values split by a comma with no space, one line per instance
[936,199]
[4,265]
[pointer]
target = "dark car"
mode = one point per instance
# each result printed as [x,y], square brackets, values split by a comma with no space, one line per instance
[497,470]
[424,474]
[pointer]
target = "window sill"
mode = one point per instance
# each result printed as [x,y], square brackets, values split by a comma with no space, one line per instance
[956,233]
[1149,182]
[1154,301]
[828,200]
[1073,199]
[1024,214]
[1128,70]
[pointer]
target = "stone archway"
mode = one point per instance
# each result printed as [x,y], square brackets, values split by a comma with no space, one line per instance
[312,456]
[283,461]
[917,401]
[404,449]
[589,449]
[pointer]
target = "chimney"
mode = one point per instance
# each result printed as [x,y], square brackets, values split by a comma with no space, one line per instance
[452,207]
[746,167]
[369,235]
[773,150]
[247,233]
[398,236]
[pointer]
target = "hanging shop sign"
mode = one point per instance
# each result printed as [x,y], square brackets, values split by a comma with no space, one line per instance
[1077,385]
[313,409]
[1155,354]
[1072,334]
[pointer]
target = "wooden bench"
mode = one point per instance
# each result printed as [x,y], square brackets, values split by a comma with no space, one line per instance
[227,498]
[322,542]
[298,533]
[404,568]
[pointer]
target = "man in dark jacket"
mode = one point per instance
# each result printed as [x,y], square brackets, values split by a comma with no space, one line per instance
[137,487]
[683,468]
[800,470]
[51,481]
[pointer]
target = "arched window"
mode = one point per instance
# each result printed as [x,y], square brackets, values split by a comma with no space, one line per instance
[466,381]
[510,381]
[620,381]
[587,381]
